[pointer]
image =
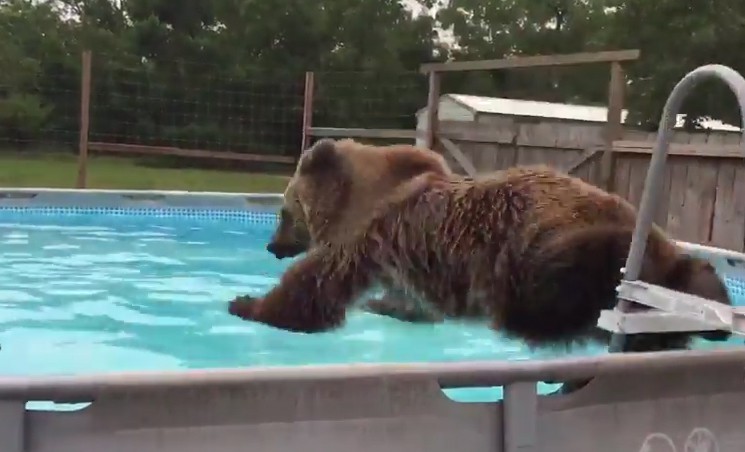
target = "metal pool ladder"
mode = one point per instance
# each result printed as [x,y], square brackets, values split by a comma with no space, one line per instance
[673,311]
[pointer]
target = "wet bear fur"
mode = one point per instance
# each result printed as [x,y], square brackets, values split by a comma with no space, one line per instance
[309,216]
[535,252]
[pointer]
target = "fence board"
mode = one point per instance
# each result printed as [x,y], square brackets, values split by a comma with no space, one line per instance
[663,204]
[508,155]
[485,157]
[621,177]
[700,189]
[637,174]
[676,199]
[728,228]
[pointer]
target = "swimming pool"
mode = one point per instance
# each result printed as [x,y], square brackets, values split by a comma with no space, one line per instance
[95,288]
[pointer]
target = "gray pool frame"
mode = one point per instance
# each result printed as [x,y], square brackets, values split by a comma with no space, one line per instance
[646,402]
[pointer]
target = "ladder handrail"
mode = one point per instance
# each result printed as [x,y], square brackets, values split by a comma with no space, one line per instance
[655,173]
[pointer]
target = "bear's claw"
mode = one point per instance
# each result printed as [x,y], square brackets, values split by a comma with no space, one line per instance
[241,306]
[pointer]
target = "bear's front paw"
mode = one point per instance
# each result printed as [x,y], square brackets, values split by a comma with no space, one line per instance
[242,306]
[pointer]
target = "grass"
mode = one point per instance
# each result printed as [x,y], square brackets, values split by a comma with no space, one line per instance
[60,171]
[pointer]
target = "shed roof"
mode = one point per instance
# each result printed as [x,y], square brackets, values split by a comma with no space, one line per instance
[519,107]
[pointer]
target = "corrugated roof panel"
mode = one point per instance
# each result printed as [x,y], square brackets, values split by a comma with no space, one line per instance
[519,107]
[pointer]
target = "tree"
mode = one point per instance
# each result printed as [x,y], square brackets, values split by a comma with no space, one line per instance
[215,73]
[676,37]
[498,29]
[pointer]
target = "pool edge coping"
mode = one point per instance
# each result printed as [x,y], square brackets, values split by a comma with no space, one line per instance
[73,198]
[82,388]
[127,190]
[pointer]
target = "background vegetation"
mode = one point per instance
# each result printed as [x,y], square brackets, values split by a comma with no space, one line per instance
[228,74]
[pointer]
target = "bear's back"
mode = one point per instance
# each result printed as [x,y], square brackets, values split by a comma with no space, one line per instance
[566,200]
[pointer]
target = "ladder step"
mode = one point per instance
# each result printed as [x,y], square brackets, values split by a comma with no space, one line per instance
[673,312]
[652,322]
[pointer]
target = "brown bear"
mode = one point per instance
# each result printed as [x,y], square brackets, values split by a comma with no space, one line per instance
[536,252]
[379,172]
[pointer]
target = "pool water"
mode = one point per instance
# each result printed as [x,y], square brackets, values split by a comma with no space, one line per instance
[95,293]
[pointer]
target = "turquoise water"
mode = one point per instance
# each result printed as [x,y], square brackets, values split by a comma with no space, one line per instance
[81,294]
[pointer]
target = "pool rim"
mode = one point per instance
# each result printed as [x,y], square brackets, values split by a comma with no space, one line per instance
[158,202]
[462,374]
[135,191]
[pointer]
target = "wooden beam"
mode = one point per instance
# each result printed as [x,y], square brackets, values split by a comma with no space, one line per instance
[459,157]
[688,150]
[433,107]
[335,132]
[85,104]
[613,128]
[570,59]
[121,148]
[308,94]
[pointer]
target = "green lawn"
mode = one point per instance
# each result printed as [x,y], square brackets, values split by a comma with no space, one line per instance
[56,171]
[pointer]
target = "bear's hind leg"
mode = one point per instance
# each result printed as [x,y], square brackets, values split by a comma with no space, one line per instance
[561,281]
[395,303]
[313,294]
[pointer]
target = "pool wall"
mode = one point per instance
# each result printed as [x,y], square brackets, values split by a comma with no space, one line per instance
[651,402]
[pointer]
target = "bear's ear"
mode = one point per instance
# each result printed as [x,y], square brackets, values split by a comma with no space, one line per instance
[322,156]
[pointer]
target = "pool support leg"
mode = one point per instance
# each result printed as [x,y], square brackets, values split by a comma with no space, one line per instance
[656,171]
[12,425]
[520,417]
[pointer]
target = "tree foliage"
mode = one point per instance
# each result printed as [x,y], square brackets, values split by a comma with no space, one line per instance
[200,73]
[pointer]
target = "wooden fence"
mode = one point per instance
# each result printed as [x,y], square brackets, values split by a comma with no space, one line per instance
[703,199]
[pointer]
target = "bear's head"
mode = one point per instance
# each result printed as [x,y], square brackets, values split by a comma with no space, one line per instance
[337,186]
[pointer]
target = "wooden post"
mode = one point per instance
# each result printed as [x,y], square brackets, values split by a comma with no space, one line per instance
[613,127]
[85,99]
[308,109]
[433,101]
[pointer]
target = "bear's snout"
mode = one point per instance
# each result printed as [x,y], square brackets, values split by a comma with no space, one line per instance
[281,250]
